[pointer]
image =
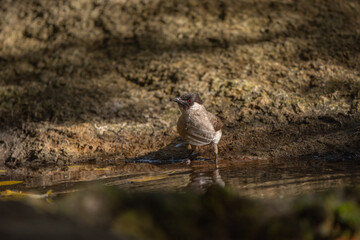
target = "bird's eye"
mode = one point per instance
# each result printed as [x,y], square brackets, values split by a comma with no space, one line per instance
[189,101]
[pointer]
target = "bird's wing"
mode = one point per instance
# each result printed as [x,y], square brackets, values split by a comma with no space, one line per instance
[215,121]
[198,136]
[194,132]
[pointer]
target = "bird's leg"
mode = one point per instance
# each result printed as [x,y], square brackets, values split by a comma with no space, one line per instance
[189,157]
[216,150]
[193,148]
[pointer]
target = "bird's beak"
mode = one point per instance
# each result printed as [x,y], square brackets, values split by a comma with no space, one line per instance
[178,100]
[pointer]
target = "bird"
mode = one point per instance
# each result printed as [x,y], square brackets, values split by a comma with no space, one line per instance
[196,125]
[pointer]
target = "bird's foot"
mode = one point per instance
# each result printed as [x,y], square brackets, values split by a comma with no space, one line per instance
[193,155]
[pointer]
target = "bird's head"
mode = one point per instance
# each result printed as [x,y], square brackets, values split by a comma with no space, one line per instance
[188,100]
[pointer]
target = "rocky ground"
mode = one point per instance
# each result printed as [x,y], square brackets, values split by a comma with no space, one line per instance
[92,80]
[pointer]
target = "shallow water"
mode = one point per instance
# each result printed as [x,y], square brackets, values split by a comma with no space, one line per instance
[252,178]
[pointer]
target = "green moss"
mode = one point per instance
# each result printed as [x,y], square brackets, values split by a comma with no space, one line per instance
[348,215]
[137,225]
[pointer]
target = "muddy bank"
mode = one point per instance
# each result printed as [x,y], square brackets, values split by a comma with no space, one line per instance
[91,80]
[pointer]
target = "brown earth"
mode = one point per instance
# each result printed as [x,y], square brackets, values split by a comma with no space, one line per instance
[91,80]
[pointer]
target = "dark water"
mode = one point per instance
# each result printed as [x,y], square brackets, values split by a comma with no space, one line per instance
[253,178]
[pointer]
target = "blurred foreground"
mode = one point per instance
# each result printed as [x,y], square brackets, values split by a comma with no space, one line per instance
[109,213]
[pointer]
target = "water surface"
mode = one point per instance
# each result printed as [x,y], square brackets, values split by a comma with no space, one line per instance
[251,178]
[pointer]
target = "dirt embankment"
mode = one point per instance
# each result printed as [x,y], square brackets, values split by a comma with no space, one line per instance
[91,80]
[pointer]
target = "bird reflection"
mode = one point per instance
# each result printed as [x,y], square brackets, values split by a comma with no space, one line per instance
[217,178]
[201,180]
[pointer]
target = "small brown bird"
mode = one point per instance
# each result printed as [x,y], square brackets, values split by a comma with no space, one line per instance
[197,126]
